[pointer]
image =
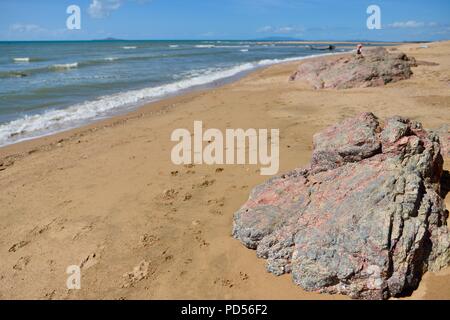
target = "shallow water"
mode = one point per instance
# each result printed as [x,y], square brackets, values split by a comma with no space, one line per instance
[52,86]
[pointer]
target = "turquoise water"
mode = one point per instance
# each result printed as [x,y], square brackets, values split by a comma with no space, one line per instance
[52,86]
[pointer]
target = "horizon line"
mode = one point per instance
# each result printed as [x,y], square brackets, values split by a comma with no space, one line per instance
[268,39]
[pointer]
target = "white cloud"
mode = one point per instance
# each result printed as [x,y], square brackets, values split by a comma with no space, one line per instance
[412,24]
[26,28]
[207,34]
[31,31]
[442,31]
[265,29]
[285,30]
[279,30]
[103,8]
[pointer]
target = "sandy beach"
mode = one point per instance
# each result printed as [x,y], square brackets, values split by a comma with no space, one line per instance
[107,196]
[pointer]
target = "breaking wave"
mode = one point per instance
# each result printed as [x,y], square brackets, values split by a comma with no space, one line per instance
[64,66]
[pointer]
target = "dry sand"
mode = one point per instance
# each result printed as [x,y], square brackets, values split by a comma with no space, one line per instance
[95,195]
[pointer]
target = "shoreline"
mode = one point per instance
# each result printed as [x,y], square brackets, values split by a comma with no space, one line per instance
[43,143]
[136,111]
[96,196]
[222,78]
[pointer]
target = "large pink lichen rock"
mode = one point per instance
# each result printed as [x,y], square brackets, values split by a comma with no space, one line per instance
[376,67]
[365,219]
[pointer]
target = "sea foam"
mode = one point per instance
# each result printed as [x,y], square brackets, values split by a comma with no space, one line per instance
[205,46]
[64,66]
[21,59]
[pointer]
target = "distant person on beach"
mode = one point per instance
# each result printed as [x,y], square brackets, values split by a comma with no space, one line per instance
[359,49]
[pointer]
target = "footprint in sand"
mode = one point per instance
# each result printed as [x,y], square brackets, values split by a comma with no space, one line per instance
[224,282]
[140,272]
[220,202]
[50,295]
[206,183]
[215,211]
[18,245]
[198,237]
[37,231]
[5,163]
[243,276]
[190,168]
[187,197]
[202,242]
[148,240]
[89,261]
[183,273]
[216,205]
[84,230]
[22,263]
[169,194]
[64,203]
[198,234]
[51,264]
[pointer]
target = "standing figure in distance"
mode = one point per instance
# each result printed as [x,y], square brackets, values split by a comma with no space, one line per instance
[359,49]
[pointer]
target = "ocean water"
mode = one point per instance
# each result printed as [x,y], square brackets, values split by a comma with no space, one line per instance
[47,87]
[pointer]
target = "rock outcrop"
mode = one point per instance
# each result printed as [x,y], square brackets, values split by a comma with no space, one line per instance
[444,136]
[376,67]
[365,219]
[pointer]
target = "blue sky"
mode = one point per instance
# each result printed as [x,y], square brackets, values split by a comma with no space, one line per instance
[225,19]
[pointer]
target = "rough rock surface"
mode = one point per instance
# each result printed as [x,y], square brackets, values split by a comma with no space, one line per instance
[444,136]
[365,219]
[375,68]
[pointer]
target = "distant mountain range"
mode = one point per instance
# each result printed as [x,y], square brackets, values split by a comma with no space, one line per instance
[109,39]
[279,38]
